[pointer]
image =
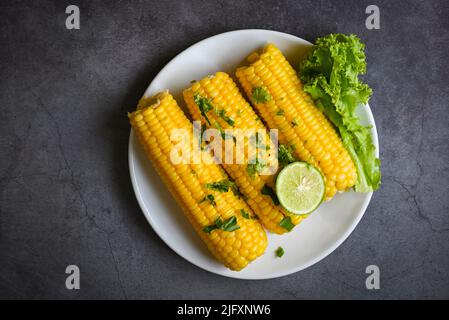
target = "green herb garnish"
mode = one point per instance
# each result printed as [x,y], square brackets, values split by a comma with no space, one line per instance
[294,122]
[224,186]
[280,252]
[203,128]
[210,198]
[285,156]
[222,114]
[253,168]
[287,223]
[221,186]
[245,214]
[200,140]
[260,95]
[257,141]
[228,225]
[280,112]
[268,191]
[204,105]
[224,135]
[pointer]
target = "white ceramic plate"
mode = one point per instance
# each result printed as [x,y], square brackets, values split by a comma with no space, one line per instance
[308,243]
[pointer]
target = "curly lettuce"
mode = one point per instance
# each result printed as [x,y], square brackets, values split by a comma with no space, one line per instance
[330,74]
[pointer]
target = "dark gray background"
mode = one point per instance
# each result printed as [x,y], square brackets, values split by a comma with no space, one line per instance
[65,193]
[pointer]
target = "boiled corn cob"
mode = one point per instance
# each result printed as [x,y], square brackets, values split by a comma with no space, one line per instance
[302,127]
[229,110]
[216,216]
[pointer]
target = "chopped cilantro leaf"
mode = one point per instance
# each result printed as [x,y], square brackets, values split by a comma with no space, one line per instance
[285,155]
[245,214]
[230,224]
[227,225]
[204,105]
[280,112]
[210,198]
[224,135]
[203,128]
[257,141]
[287,223]
[224,186]
[260,95]
[268,191]
[222,114]
[294,122]
[280,252]
[221,186]
[253,168]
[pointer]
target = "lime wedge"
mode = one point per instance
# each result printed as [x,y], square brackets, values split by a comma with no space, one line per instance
[300,188]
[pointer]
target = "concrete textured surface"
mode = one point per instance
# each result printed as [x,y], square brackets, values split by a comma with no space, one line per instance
[65,193]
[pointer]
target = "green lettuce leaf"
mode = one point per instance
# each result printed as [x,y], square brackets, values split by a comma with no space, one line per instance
[330,74]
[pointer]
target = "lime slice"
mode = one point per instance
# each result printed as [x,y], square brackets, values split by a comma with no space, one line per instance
[300,188]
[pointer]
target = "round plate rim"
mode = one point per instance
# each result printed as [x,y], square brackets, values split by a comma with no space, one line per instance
[237,275]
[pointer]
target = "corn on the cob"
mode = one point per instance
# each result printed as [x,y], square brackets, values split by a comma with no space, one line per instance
[229,110]
[301,125]
[214,215]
